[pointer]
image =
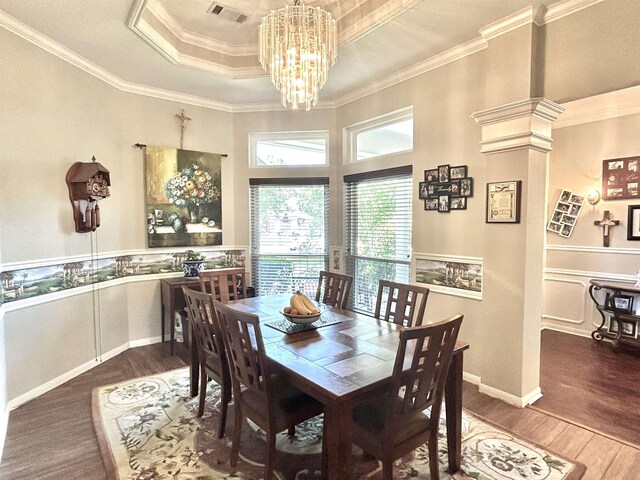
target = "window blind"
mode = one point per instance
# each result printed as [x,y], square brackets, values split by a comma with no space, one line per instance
[289,234]
[377,231]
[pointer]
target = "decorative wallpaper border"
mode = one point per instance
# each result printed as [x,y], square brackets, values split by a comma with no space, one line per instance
[33,281]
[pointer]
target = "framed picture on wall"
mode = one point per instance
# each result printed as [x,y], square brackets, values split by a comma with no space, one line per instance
[443,203]
[633,223]
[431,204]
[503,202]
[336,259]
[620,178]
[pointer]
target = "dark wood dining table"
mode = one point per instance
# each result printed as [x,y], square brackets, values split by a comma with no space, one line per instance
[341,365]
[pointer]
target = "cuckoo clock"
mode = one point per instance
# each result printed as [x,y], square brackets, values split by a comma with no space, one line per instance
[88,183]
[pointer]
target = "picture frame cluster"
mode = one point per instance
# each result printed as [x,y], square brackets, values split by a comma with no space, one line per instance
[565,215]
[446,188]
[621,178]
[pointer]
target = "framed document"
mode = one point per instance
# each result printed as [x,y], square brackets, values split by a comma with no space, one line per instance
[503,202]
[633,223]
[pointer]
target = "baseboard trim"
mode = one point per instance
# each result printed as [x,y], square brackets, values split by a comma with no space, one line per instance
[144,341]
[472,379]
[519,402]
[567,330]
[65,377]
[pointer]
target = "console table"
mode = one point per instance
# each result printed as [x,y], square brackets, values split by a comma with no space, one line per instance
[618,308]
[173,299]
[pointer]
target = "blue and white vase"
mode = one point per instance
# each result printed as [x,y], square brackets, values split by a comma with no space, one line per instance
[192,268]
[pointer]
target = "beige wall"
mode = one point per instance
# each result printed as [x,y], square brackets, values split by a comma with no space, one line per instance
[592,51]
[576,165]
[282,121]
[52,114]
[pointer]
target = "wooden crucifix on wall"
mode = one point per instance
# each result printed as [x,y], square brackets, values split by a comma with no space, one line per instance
[606,223]
[183,123]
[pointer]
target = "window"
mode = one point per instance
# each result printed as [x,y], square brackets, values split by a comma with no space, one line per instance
[378,231]
[289,232]
[288,148]
[385,135]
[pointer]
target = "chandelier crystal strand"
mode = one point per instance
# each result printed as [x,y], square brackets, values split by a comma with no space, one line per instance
[297,48]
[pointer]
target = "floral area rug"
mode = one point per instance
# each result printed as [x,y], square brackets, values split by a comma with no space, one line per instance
[148,429]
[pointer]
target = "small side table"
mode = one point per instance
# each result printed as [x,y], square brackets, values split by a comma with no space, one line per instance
[173,299]
[617,308]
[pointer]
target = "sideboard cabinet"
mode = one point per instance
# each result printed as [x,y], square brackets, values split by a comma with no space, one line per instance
[617,304]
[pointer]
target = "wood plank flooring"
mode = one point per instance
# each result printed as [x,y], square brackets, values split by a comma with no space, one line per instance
[52,437]
[585,382]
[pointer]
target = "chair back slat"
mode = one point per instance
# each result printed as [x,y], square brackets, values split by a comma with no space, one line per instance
[403,304]
[204,328]
[428,349]
[334,289]
[245,350]
[224,284]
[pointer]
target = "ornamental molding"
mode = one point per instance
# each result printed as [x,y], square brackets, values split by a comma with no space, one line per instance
[605,106]
[525,124]
[555,12]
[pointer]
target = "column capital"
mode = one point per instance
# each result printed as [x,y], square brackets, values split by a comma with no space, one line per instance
[525,124]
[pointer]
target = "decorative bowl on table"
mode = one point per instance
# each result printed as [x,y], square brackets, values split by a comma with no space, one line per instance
[303,319]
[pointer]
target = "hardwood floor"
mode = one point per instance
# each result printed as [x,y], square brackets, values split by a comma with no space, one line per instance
[52,437]
[585,382]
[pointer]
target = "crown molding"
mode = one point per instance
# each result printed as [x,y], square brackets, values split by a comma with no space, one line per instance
[36,38]
[378,17]
[600,107]
[163,16]
[515,20]
[437,61]
[567,7]
[555,12]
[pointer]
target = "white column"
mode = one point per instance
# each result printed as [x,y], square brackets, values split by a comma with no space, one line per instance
[516,140]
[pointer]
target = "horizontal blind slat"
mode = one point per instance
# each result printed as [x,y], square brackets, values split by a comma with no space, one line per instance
[377,234]
[289,235]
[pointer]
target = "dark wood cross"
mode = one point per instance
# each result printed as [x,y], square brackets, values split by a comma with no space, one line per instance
[183,123]
[606,223]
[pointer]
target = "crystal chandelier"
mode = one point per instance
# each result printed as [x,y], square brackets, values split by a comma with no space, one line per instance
[297,47]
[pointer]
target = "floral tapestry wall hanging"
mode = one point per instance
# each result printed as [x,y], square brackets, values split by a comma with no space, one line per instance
[183,197]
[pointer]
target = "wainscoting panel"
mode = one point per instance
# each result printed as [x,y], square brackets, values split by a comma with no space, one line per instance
[564,300]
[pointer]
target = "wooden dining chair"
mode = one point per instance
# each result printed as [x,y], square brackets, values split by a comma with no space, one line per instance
[334,289]
[394,423]
[404,304]
[224,284]
[268,399]
[210,350]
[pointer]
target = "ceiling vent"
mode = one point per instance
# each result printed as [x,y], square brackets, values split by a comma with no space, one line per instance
[227,13]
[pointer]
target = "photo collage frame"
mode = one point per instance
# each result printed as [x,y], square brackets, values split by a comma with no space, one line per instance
[446,188]
[565,215]
[620,178]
